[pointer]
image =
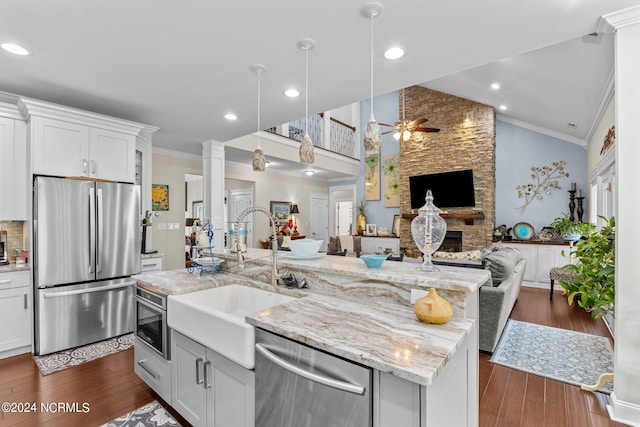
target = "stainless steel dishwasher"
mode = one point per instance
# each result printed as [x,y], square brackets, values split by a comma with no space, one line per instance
[299,386]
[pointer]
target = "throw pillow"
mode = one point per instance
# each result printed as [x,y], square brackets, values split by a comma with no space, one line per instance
[500,264]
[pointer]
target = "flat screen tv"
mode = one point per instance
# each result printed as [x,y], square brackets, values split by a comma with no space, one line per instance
[449,189]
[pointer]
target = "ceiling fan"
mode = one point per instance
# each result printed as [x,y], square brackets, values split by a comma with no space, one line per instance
[405,127]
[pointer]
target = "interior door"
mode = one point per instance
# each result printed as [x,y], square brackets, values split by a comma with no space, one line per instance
[241,200]
[319,218]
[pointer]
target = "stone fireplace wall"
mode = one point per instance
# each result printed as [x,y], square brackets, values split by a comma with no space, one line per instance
[460,144]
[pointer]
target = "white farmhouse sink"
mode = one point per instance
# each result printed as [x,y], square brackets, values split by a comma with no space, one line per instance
[215,318]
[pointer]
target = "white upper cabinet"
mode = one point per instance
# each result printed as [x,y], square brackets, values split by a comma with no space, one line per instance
[70,142]
[13,169]
[67,149]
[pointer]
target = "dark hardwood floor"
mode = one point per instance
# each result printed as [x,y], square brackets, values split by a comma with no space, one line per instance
[513,398]
[507,397]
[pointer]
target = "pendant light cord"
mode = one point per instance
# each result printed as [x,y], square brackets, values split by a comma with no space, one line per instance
[259,75]
[372,16]
[306,91]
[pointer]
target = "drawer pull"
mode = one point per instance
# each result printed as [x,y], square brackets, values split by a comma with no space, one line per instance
[149,371]
[5,282]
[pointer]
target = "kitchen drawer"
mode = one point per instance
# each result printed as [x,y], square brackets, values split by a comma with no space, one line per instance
[153,369]
[15,279]
[150,264]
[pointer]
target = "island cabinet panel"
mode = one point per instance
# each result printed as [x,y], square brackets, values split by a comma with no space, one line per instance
[207,388]
[451,400]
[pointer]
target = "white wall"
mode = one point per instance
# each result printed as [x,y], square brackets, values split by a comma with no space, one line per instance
[272,186]
[170,169]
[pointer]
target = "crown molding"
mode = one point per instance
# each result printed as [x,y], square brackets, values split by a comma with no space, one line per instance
[544,131]
[605,99]
[620,19]
[30,107]
[175,153]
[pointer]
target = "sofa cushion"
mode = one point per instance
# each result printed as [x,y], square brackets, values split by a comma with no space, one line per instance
[500,264]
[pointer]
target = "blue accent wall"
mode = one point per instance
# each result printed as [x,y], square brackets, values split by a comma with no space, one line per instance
[517,151]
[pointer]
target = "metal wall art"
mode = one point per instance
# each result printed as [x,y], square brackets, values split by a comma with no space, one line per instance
[545,180]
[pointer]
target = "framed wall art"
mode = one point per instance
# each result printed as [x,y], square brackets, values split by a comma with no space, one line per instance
[282,211]
[159,197]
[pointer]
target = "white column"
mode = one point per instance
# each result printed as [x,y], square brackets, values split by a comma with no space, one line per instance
[625,405]
[213,188]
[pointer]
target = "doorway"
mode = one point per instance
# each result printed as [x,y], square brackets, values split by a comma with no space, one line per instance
[342,200]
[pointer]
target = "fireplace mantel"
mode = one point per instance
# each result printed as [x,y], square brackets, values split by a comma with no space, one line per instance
[468,217]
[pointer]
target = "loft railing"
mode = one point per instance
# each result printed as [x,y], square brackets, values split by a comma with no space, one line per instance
[325,132]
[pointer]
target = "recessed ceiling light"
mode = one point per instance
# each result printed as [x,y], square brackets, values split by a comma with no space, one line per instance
[495,86]
[572,125]
[267,164]
[394,53]
[291,93]
[309,172]
[503,107]
[14,48]
[230,116]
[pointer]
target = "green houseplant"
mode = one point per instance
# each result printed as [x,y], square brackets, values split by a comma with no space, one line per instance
[569,229]
[594,285]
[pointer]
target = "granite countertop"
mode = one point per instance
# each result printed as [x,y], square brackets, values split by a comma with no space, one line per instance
[14,267]
[153,255]
[377,333]
[451,278]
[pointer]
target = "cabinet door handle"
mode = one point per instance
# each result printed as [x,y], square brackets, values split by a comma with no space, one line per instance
[26,303]
[199,380]
[206,374]
[149,371]
[85,165]
[93,167]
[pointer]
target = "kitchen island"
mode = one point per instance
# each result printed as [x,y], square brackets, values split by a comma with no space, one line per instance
[423,374]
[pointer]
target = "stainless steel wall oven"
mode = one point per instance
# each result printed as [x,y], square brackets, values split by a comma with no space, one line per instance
[151,321]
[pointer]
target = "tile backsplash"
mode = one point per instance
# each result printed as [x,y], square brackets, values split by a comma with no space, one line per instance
[15,237]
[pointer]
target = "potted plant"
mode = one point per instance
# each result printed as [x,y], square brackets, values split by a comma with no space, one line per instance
[569,229]
[594,285]
[361,220]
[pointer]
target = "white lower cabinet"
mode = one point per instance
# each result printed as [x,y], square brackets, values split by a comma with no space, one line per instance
[209,389]
[374,244]
[148,263]
[15,313]
[540,259]
[153,369]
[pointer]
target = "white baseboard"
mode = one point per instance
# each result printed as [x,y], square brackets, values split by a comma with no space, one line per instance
[624,412]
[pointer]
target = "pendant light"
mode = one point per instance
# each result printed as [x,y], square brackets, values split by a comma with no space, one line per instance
[306,146]
[257,161]
[372,135]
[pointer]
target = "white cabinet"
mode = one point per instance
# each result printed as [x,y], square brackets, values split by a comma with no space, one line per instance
[62,148]
[540,259]
[153,369]
[207,388]
[15,313]
[374,244]
[13,169]
[150,263]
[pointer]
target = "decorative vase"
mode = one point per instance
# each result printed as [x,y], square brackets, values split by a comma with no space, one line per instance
[432,308]
[361,224]
[428,230]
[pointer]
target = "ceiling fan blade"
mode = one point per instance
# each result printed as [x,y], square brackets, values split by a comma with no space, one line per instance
[384,124]
[389,131]
[425,130]
[417,122]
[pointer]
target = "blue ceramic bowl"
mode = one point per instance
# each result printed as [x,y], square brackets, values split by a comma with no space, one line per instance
[373,261]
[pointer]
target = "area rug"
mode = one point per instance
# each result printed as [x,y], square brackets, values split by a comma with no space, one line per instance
[150,415]
[567,356]
[55,362]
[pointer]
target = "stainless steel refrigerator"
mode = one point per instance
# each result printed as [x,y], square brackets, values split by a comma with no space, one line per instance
[86,244]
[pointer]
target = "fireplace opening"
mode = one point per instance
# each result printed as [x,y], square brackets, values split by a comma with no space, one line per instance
[452,242]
